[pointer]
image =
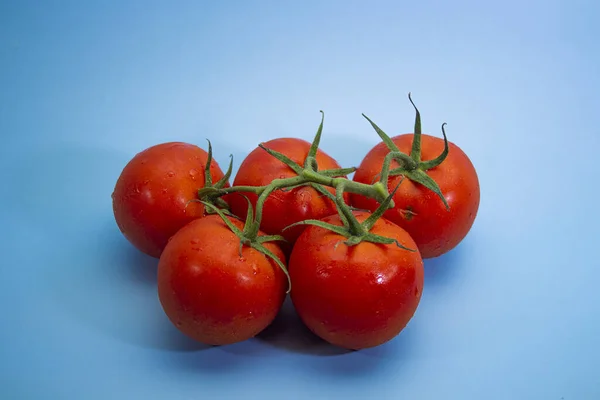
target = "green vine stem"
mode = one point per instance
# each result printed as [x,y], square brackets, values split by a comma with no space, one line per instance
[354,231]
[308,174]
[411,166]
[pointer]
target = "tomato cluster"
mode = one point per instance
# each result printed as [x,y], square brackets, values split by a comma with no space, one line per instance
[348,251]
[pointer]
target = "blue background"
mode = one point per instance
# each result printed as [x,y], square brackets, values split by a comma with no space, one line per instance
[512,313]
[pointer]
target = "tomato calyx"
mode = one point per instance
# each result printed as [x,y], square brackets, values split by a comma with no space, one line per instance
[209,196]
[411,166]
[249,236]
[356,232]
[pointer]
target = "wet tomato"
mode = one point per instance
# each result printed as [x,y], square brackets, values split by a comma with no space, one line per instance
[418,210]
[152,196]
[356,296]
[213,293]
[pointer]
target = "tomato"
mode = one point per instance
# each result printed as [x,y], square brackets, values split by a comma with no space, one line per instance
[283,207]
[213,294]
[356,296]
[419,210]
[151,199]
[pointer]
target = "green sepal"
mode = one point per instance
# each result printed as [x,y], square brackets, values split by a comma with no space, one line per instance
[314,147]
[421,177]
[415,152]
[290,188]
[223,216]
[386,139]
[283,158]
[321,189]
[425,165]
[338,171]
[270,238]
[207,175]
[340,230]
[221,183]
[259,247]
[377,239]
[249,223]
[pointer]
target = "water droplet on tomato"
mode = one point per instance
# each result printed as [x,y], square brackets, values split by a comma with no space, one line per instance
[179,324]
[170,174]
[164,191]
[194,241]
[254,270]
[193,173]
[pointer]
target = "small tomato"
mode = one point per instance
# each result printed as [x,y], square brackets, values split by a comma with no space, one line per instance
[152,196]
[213,293]
[356,296]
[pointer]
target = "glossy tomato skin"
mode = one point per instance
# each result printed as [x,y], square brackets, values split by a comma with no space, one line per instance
[283,207]
[209,292]
[355,297]
[151,199]
[434,229]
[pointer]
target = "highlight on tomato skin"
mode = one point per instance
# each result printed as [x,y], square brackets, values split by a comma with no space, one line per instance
[152,198]
[211,292]
[360,296]
[283,207]
[435,228]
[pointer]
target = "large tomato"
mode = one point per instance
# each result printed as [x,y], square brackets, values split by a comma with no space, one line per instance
[151,199]
[210,291]
[282,207]
[418,210]
[359,296]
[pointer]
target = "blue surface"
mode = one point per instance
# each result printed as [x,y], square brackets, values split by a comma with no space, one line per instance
[512,313]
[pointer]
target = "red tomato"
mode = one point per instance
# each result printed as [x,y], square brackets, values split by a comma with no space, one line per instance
[210,292]
[151,199]
[359,296]
[282,207]
[419,210]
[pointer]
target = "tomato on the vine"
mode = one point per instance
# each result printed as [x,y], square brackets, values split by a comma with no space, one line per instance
[153,196]
[418,210]
[282,207]
[215,291]
[355,296]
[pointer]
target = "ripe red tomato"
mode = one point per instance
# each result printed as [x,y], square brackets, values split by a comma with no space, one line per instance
[151,199]
[419,210]
[210,292]
[283,207]
[359,296]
